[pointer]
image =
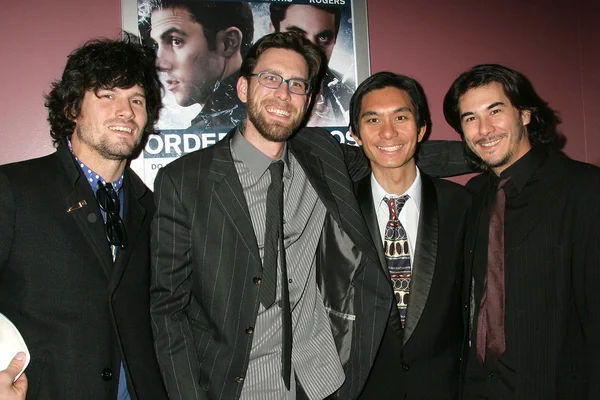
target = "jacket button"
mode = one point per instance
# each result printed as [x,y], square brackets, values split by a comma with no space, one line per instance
[257,280]
[106,374]
[250,330]
[405,367]
[239,379]
[466,305]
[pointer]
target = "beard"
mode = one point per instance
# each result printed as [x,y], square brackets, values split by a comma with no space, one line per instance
[273,131]
[116,151]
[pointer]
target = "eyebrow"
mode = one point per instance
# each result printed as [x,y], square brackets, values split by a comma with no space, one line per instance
[493,105]
[397,110]
[169,32]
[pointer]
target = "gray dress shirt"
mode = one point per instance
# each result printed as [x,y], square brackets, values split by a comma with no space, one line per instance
[315,360]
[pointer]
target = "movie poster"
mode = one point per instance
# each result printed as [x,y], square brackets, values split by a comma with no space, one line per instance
[200,46]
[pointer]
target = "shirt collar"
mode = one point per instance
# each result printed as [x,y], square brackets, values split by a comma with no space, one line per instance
[91,176]
[257,161]
[524,168]
[414,191]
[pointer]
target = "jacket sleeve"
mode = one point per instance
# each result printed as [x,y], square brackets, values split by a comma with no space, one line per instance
[170,293]
[7,220]
[442,158]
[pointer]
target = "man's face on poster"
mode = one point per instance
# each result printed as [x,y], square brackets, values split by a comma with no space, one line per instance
[316,24]
[190,70]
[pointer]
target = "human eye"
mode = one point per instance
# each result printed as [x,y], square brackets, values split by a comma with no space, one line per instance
[270,77]
[138,102]
[176,41]
[495,111]
[324,40]
[401,118]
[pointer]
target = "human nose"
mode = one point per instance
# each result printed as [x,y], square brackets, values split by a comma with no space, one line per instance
[485,127]
[163,59]
[387,130]
[124,109]
[282,92]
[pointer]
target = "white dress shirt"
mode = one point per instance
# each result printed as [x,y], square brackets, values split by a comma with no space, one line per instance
[409,216]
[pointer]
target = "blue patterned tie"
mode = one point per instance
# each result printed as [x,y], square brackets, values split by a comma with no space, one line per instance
[397,254]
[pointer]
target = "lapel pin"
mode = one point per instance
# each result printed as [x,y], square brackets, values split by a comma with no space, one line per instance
[77,206]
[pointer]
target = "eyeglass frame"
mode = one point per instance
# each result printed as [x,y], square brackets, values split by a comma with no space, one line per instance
[258,75]
[114,228]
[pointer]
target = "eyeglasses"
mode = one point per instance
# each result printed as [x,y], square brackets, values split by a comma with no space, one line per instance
[271,80]
[108,200]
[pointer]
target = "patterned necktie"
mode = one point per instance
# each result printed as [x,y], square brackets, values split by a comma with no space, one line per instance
[490,322]
[273,243]
[397,253]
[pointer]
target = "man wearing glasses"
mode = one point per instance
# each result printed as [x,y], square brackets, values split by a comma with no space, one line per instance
[74,259]
[266,284]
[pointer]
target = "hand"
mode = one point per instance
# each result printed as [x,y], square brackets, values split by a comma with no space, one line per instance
[9,389]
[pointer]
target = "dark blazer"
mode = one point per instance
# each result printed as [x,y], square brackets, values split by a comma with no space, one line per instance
[422,361]
[552,265]
[80,315]
[206,258]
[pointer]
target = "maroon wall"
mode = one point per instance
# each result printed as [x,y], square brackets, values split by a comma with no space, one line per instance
[558,48]
[37,35]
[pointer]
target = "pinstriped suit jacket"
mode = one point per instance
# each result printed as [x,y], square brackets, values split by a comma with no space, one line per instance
[204,301]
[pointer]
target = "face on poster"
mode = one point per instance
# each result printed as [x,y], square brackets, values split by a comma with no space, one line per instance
[200,46]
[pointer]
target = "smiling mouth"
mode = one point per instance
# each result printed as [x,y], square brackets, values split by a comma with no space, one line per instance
[120,129]
[490,143]
[277,111]
[390,148]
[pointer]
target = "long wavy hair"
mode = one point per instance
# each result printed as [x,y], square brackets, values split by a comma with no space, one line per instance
[542,129]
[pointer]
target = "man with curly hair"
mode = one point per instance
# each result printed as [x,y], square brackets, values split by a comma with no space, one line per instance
[74,259]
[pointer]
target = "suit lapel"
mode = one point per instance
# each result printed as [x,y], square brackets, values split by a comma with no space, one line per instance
[550,183]
[352,222]
[364,196]
[229,194]
[87,217]
[425,257]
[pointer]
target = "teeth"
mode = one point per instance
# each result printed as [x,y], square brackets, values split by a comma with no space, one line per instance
[490,144]
[390,148]
[120,128]
[278,111]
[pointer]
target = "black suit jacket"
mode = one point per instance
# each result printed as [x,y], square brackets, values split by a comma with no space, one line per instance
[80,315]
[422,361]
[205,258]
[552,275]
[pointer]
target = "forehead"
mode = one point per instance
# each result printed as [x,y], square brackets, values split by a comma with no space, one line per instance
[387,99]
[483,96]
[286,62]
[169,18]
[135,90]
[308,18]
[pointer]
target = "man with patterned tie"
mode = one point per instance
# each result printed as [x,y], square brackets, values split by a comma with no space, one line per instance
[418,224]
[534,245]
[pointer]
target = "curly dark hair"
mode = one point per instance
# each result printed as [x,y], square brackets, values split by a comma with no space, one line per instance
[385,79]
[289,41]
[103,64]
[542,129]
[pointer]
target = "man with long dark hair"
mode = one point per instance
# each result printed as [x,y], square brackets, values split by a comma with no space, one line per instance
[533,245]
[74,259]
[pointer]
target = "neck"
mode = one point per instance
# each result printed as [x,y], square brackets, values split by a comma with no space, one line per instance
[233,65]
[270,148]
[396,180]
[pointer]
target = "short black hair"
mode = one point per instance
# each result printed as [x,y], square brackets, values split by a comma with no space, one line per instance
[386,79]
[103,64]
[213,16]
[289,41]
[277,12]
[542,129]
